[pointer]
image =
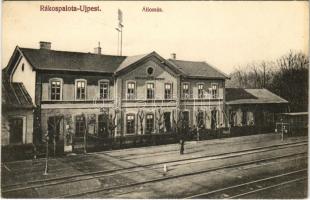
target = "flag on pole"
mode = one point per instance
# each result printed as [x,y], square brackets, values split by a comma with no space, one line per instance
[120,16]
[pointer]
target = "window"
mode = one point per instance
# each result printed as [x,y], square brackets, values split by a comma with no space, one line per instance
[214,90]
[104,89]
[55,89]
[200,122]
[150,90]
[150,70]
[80,126]
[185,90]
[23,67]
[80,86]
[200,91]
[168,91]
[130,124]
[131,90]
[149,123]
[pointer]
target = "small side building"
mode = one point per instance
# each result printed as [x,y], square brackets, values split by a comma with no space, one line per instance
[253,108]
[16,121]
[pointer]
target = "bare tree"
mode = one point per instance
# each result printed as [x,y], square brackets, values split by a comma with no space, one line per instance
[159,119]
[141,117]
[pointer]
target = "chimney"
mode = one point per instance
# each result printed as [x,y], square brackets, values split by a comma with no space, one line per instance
[97,50]
[173,56]
[45,45]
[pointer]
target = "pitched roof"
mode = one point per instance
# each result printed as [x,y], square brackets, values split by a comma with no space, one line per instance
[237,94]
[44,59]
[15,95]
[130,60]
[72,61]
[198,69]
[251,96]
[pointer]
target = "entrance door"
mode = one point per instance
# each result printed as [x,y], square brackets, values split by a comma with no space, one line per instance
[80,126]
[16,130]
[185,121]
[103,125]
[167,121]
[213,119]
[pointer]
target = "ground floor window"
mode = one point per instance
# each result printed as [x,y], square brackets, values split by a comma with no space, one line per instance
[130,123]
[16,130]
[149,123]
[80,126]
[200,121]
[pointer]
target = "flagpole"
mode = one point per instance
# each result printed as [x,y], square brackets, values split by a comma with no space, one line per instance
[121,27]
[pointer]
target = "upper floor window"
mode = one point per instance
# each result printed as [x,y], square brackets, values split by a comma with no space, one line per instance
[150,91]
[168,91]
[56,88]
[104,89]
[214,90]
[80,89]
[185,90]
[200,91]
[131,87]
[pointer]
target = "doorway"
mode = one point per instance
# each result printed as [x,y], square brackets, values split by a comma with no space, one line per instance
[16,130]
[167,121]
[103,125]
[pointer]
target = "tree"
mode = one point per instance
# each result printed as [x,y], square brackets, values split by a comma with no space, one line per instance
[112,122]
[286,76]
[141,117]
[159,119]
[291,81]
[53,130]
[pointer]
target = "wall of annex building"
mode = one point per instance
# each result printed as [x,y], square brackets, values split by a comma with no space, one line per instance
[25,74]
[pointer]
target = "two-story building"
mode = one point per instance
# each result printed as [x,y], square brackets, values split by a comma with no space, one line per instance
[109,96]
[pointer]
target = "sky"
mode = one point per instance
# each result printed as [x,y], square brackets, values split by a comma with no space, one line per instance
[224,34]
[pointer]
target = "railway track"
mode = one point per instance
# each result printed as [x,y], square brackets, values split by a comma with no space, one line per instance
[252,187]
[79,194]
[135,168]
[91,192]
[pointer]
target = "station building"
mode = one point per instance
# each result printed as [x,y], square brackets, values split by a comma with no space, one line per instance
[111,96]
